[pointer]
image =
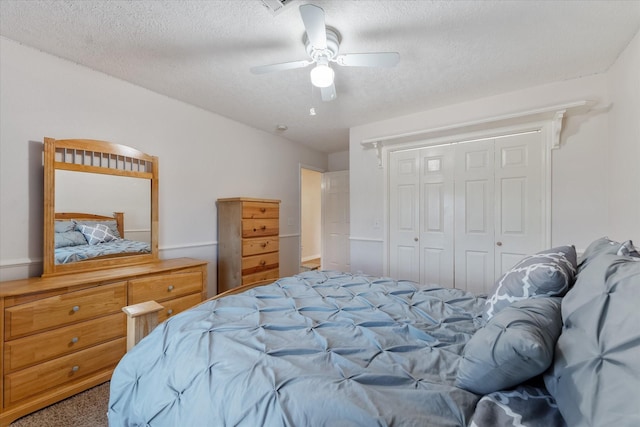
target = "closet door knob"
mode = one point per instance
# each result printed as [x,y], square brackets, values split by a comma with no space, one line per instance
[498,243]
[415,239]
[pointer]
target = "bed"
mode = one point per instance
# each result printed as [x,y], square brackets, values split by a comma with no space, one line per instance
[326,348]
[84,236]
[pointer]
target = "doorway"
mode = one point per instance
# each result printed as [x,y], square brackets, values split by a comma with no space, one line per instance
[310,219]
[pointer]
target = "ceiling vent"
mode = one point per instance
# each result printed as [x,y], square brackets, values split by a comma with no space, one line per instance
[276,6]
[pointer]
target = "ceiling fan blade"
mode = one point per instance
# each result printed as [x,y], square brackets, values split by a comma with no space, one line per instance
[313,19]
[262,69]
[328,93]
[377,59]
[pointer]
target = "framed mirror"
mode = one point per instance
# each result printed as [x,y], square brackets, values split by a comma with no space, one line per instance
[101,206]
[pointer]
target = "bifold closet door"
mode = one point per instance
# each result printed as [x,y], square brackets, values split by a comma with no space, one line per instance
[404,214]
[421,215]
[462,214]
[498,213]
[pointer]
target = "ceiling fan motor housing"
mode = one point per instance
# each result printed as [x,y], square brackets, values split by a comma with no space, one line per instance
[332,49]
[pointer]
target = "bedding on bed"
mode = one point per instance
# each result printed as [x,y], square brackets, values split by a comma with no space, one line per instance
[88,239]
[67,254]
[317,349]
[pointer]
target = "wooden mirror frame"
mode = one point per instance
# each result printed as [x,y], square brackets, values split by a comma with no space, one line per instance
[92,156]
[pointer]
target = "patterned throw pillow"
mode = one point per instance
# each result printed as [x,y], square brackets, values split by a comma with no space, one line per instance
[547,273]
[111,223]
[97,234]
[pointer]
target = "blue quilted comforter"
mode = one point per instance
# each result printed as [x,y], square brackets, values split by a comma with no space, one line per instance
[316,349]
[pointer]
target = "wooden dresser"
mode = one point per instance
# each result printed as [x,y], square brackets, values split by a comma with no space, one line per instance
[63,334]
[248,241]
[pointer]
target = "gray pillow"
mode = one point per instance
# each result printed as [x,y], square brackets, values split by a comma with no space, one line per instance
[69,238]
[515,345]
[596,369]
[627,249]
[63,226]
[598,247]
[547,273]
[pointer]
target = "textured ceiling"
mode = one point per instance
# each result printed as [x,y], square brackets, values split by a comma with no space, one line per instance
[200,52]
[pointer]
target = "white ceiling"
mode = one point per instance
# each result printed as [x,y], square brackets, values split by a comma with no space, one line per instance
[200,52]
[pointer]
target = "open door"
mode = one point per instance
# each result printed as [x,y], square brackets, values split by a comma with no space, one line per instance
[335,221]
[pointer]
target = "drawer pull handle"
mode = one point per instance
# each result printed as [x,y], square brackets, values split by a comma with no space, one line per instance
[170,311]
[170,288]
[263,210]
[75,308]
[264,245]
[74,340]
[75,368]
[264,227]
[263,262]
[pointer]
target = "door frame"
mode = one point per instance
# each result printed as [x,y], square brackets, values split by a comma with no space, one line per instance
[545,128]
[315,169]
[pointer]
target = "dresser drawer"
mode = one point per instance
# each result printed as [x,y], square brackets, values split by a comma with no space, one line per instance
[175,306]
[260,227]
[260,246]
[37,348]
[162,287]
[64,309]
[260,210]
[31,381]
[259,277]
[258,263]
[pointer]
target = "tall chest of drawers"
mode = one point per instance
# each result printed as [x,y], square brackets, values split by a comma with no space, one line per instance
[63,334]
[248,241]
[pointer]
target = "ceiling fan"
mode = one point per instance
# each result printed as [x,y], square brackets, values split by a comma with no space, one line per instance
[322,45]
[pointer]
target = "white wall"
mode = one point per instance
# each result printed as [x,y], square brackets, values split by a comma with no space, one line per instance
[624,133]
[580,168]
[339,161]
[203,157]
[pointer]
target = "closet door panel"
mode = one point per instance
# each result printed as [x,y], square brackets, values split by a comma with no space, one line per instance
[404,233]
[474,216]
[436,215]
[518,183]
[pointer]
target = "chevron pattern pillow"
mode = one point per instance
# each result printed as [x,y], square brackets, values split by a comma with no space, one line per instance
[96,234]
[547,273]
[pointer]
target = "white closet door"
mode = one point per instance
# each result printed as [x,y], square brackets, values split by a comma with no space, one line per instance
[335,221]
[404,215]
[462,214]
[474,216]
[519,207]
[436,216]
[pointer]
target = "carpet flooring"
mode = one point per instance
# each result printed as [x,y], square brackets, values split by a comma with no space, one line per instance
[87,409]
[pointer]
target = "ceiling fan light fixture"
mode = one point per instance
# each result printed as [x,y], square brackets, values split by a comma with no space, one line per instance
[322,75]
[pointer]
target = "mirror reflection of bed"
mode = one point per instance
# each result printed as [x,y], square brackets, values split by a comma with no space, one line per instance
[121,203]
[82,236]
